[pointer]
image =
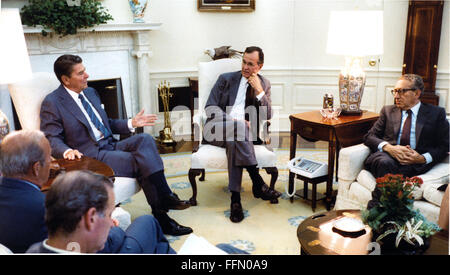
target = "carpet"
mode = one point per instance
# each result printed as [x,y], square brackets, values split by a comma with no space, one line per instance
[267,229]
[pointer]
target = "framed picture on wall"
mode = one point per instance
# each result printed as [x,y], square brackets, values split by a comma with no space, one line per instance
[226,5]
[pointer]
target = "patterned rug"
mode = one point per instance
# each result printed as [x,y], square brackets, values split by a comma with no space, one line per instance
[269,229]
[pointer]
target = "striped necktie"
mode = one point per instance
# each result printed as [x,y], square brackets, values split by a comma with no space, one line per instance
[94,119]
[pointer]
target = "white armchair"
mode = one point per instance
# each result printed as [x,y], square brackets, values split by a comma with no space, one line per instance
[205,156]
[27,97]
[356,184]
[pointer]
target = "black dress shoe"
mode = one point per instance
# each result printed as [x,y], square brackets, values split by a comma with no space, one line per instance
[171,227]
[265,193]
[236,212]
[172,201]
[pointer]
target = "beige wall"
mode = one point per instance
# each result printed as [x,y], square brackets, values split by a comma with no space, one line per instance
[293,34]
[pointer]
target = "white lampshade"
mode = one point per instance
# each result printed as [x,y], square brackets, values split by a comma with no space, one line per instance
[355,33]
[14,60]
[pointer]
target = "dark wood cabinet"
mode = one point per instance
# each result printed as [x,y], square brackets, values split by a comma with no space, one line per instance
[423,35]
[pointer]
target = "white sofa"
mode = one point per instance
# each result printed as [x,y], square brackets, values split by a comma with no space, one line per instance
[355,184]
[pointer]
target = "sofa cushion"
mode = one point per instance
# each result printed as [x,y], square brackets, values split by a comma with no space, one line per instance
[360,194]
[428,210]
[432,194]
[366,179]
[439,174]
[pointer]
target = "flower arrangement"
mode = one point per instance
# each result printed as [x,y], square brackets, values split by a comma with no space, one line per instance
[391,211]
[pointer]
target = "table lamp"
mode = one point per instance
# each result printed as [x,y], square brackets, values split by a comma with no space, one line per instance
[354,34]
[14,60]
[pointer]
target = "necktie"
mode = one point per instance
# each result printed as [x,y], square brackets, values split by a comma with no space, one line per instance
[98,124]
[249,99]
[406,133]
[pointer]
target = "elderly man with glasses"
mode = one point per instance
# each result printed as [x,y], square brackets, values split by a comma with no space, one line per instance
[410,136]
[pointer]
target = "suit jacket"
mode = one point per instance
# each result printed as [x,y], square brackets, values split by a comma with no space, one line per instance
[21,215]
[65,125]
[432,130]
[224,93]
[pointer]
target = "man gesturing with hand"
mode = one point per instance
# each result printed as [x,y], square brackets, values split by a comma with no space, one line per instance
[75,124]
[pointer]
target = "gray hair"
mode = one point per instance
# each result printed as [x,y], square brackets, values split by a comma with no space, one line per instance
[19,150]
[416,80]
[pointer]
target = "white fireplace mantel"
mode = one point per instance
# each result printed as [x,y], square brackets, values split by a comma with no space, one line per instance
[105,27]
[108,51]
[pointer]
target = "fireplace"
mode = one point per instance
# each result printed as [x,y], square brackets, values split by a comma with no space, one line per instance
[117,54]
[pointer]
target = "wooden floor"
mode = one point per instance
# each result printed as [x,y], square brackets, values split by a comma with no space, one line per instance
[283,138]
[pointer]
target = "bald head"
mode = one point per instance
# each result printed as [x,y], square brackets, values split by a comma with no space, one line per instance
[21,150]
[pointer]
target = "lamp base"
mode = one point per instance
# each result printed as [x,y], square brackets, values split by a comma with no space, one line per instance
[351,113]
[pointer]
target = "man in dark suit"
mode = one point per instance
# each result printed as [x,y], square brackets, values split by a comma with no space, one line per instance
[75,124]
[25,164]
[78,208]
[237,103]
[409,137]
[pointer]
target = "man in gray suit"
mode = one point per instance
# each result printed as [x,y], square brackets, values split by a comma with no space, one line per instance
[410,136]
[75,124]
[237,103]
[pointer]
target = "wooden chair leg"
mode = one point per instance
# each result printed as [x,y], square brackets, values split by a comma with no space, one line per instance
[273,171]
[192,174]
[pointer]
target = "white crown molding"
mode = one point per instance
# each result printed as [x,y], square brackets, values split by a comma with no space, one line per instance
[118,27]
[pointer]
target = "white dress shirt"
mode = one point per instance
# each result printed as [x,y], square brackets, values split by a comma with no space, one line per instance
[238,110]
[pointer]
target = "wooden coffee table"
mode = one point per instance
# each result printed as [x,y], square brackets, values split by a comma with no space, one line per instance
[318,237]
[85,163]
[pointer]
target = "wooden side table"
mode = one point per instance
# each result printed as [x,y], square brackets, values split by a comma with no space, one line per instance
[85,163]
[341,132]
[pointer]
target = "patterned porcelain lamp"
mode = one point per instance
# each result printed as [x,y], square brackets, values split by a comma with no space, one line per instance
[354,34]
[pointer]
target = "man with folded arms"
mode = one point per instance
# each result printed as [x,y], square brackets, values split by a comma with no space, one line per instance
[410,137]
[75,124]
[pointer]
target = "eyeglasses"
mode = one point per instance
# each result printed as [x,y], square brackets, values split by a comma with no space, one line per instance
[401,91]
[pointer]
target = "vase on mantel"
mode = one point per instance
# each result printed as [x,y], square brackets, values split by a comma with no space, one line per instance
[138,9]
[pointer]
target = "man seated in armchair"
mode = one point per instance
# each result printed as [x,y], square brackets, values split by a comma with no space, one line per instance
[409,137]
[237,103]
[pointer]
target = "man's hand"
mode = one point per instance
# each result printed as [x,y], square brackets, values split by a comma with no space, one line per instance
[72,154]
[405,155]
[255,82]
[414,157]
[141,120]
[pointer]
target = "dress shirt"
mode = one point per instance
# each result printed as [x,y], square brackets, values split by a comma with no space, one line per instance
[98,135]
[238,110]
[412,137]
[57,250]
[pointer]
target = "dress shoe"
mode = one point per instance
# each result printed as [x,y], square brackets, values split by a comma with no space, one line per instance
[172,201]
[265,193]
[171,227]
[236,212]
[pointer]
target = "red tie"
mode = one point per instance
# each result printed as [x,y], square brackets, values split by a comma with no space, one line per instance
[406,133]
